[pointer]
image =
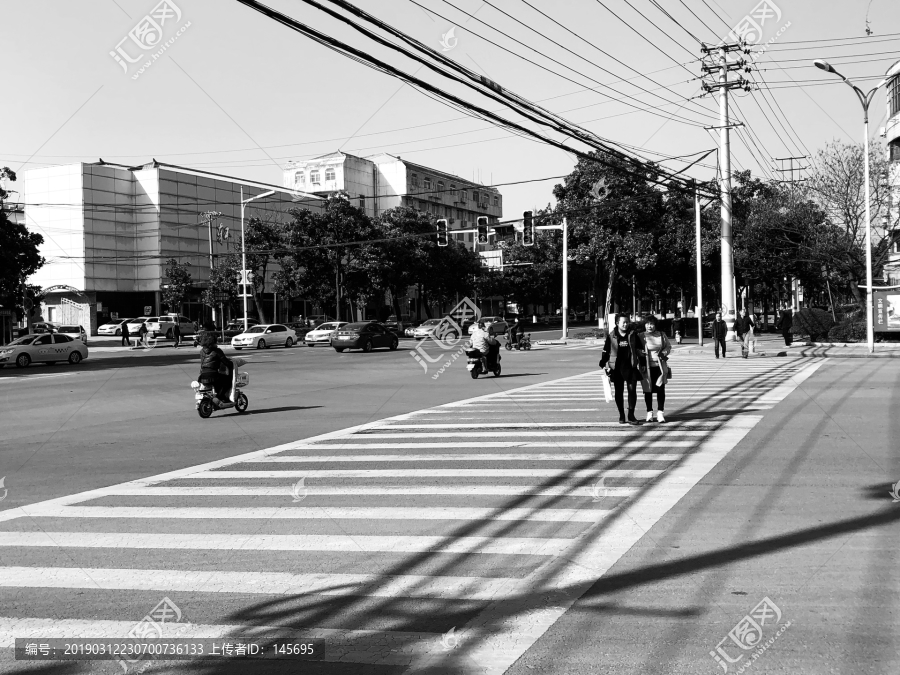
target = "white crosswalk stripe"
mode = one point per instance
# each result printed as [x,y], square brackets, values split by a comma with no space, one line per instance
[504,509]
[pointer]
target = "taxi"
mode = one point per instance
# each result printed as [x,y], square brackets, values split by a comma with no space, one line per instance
[47,347]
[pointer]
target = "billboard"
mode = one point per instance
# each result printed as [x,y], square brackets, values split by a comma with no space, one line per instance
[887,311]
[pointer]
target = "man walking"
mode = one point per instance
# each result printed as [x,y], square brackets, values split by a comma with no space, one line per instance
[744,328]
[176,333]
[785,324]
[126,336]
[719,331]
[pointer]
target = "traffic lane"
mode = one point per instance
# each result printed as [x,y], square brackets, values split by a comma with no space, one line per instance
[68,430]
[799,512]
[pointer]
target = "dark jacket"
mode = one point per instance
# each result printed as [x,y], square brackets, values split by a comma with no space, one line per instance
[611,348]
[143,330]
[786,322]
[125,330]
[719,330]
[176,330]
[678,324]
[744,324]
[211,359]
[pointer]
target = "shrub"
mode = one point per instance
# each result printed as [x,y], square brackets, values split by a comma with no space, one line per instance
[588,334]
[849,330]
[813,322]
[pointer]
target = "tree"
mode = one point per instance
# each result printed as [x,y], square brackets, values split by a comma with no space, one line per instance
[179,283]
[402,261]
[19,256]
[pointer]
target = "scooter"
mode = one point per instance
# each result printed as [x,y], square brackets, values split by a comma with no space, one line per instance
[524,342]
[678,336]
[205,396]
[477,363]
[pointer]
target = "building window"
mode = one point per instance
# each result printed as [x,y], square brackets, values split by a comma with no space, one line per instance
[893,95]
[470,237]
[496,200]
[475,196]
[427,182]
[314,177]
[440,186]
[414,179]
[362,202]
[453,190]
[298,178]
[329,173]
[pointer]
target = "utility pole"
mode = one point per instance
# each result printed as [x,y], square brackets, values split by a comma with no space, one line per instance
[791,168]
[699,270]
[716,63]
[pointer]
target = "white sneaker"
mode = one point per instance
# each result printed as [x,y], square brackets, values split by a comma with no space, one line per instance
[660,417]
[650,416]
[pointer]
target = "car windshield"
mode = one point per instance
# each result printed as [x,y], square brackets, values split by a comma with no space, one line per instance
[140,320]
[257,329]
[327,326]
[432,322]
[23,340]
[69,329]
[355,327]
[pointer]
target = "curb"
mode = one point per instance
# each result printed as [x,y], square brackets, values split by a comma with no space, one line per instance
[805,354]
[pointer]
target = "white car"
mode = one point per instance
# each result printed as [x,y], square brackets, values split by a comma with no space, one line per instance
[264,336]
[494,325]
[46,347]
[426,329]
[321,334]
[134,325]
[164,323]
[113,327]
[74,332]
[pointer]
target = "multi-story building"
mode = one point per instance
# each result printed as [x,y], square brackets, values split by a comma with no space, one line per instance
[108,230]
[384,181]
[892,137]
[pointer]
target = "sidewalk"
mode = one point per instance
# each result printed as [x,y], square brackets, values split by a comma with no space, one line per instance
[770,345]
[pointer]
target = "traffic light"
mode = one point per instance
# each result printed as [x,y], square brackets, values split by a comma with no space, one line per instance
[442,236]
[482,224]
[528,232]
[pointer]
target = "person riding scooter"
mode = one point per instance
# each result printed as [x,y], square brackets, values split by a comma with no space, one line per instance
[487,344]
[216,369]
[514,330]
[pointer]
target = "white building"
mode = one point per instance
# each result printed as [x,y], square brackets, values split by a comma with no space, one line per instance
[384,181]
[108,230]
[892,137]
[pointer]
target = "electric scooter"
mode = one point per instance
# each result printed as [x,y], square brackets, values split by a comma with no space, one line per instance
[205,396]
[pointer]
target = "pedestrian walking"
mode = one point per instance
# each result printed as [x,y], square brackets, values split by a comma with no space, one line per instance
[719,332]
[621,360]
[196,327]
[678,327]
[176,333]
[656,348]
[785,324]
[745,326]
[142,333]
[126,336]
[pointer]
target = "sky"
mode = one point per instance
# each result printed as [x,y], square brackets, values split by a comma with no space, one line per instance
[236,93]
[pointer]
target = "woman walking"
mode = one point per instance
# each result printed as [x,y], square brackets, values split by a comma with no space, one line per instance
[620,359]
[654,377]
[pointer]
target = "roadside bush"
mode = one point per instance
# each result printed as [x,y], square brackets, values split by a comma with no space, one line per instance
[849,330]
[587,334]
[813,322]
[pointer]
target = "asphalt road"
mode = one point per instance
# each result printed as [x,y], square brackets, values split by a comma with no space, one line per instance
[520,532]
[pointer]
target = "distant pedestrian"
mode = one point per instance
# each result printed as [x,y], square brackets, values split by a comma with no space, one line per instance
[621,360]
[719,333]
[196,327]
[785,324]
[126,336]
[176,333]
[678,328]
[656,373]
[746,326]
[514,329]
[142,333]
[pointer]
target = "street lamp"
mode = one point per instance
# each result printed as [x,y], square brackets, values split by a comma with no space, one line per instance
[865,100]
[244,275]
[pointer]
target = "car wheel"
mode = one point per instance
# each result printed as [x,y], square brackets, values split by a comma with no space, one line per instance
[367,347]
[75,357]
[395,344]
[205,409]
[169,334]
[118,331]
[288,343]
[261,344]
[22,360]
[339,350]
[241,403]
[238,348]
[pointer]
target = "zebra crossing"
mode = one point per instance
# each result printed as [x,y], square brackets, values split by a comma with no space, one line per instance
[446,539]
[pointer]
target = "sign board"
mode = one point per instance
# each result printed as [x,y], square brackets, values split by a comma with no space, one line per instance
[114,316]
[99,306]
[148,310]
[887,311]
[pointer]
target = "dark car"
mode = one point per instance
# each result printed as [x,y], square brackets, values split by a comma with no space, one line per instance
[300,328]
[236,327]
[365,335]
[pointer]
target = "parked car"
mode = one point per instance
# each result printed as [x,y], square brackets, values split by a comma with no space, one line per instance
[493,324]
[264,336]
[365,335]
[42,327]
[236,327]
[396,325]
[409,329]
[46,347]
[322,334]
[300,329]
[134,325]
[165,323]
[113,327]
[425,329]
[74,332]
[316,319]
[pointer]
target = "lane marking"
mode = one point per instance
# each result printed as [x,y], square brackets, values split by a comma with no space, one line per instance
[434,473]
[477,457]
[355,490]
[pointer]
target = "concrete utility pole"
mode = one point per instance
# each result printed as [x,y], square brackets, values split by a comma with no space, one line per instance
[699,270]
[722,66]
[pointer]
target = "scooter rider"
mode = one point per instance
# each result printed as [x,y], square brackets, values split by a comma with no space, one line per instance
[215,368]
[485,343]
[514,328]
